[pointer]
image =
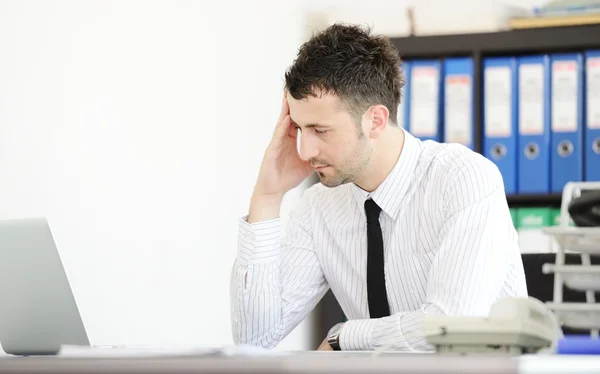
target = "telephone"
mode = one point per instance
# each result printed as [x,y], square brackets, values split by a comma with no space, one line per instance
[585,209]
[514,326]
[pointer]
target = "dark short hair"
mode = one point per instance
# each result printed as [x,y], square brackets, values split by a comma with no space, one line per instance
[347,60]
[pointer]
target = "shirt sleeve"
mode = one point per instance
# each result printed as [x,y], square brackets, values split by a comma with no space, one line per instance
[275,281]
[468,271]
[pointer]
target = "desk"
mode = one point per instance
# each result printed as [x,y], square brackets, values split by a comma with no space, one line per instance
[305,363]
[296,363]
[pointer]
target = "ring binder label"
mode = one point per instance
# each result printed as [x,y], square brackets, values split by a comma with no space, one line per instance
[498,95]
[564,96]
[531,99]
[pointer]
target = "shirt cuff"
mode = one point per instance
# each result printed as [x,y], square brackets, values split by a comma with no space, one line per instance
[259,241]
[356,335]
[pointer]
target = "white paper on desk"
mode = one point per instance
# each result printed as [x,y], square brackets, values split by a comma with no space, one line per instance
[162,351]
[593,92]
[531,99]
[564,96]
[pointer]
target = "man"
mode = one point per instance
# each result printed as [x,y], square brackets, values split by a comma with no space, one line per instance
[398,228]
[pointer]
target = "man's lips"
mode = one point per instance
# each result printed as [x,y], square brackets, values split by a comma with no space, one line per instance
[320,167]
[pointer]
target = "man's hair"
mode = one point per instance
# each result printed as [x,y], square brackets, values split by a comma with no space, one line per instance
[348,61]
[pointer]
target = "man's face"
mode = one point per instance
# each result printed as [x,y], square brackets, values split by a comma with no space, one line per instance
[330,139]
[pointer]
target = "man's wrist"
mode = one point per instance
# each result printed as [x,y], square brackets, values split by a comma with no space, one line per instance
[333,337]
[264,208]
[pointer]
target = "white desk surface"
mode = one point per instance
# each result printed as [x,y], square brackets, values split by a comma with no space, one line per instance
[309,362]
[297,363]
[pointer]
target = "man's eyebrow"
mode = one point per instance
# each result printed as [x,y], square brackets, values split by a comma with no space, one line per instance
[310,125]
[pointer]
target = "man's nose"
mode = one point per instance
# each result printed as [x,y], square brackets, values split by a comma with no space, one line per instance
[307,147]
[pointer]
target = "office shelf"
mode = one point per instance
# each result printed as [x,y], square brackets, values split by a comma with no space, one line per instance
[543,40]
[509,43]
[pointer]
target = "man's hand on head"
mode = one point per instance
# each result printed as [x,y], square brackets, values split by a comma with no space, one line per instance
[281,170]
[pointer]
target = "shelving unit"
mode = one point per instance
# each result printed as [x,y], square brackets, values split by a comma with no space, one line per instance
[478,46]
[505,43]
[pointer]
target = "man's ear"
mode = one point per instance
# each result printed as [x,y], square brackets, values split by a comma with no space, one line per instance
[378,116]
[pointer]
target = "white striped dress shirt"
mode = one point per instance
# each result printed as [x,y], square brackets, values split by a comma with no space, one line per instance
[450,248]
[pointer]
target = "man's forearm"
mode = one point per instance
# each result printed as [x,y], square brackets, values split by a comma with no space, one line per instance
[276,282]
[398,332]
[255,289]
[256,306]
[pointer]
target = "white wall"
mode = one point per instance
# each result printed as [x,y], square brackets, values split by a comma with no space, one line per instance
[137,129]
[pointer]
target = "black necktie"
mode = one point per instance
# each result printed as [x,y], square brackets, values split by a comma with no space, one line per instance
[376,293]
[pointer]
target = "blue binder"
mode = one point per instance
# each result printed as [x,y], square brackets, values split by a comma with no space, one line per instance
[534,124]
[578,345]
[404,96]
[566,120]
[423,104]
[458,101]
[592,116]
[500,117]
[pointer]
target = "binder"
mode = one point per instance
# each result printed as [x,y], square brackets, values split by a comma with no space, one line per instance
[566,120]
[533,166]
[578,345]
[423,106]
[458,101]
[500,117]
[592,116]
[402,113]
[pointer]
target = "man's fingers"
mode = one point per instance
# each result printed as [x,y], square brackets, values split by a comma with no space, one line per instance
[282,128]
[285,109]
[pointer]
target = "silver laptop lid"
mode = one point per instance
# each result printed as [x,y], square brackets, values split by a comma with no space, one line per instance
[38,312]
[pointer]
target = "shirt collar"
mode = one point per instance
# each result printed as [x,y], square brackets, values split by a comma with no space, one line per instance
[391,191]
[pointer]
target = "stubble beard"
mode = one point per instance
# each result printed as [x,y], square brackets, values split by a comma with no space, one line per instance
[352,168]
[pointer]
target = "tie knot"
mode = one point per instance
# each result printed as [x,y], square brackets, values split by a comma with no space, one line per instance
[372,210]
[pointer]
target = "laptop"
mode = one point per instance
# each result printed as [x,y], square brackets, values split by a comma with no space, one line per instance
[38,312]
